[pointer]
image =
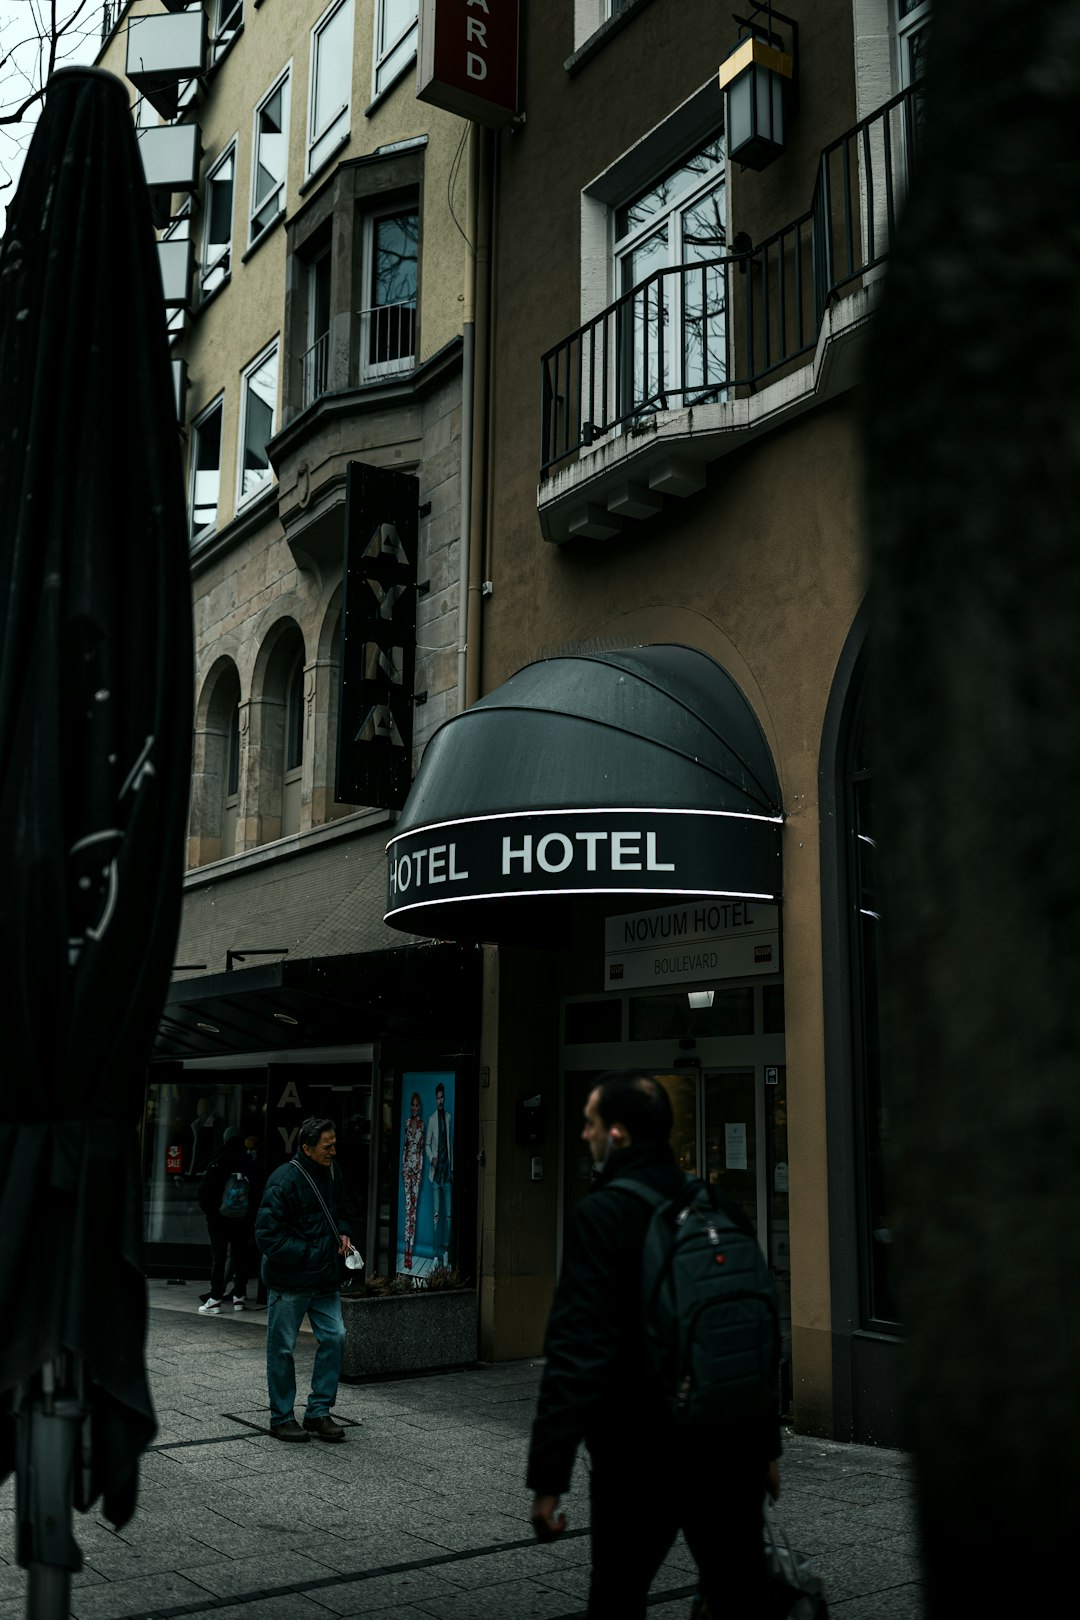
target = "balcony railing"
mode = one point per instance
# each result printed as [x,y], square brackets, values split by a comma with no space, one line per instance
[387,340]
[315,370]
[694,333]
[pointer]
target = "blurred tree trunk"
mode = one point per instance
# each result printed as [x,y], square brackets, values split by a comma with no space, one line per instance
[973,445]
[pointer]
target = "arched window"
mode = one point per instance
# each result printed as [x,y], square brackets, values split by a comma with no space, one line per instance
[230,808]
[294,747]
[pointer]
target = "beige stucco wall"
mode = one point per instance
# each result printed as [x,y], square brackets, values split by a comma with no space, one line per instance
[243,318]
[763,569]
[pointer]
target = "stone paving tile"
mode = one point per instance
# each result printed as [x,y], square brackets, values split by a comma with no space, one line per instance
[116,1598]
[517,1563]
[12,1582]
[868,1569]
[509,1600]
[151,1557]
[419,1587]
[898,1603]
[235,1577]
[289,1606]
[369,1549]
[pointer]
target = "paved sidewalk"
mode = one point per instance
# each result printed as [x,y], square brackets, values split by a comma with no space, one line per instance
[420,1515]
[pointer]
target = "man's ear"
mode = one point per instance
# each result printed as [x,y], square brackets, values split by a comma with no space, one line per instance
[615,1134]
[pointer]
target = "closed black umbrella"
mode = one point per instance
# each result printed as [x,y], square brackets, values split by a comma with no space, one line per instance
[95,747]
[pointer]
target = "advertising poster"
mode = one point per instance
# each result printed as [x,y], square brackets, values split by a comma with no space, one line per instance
[425,1232]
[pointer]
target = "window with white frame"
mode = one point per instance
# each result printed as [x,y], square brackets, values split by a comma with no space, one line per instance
[589,15]
[258,406]
[672,320]
[316,359]
[227,17]
[913,37]
[396,29]
[217,222]
[205,480]
[270,158]
[388,337]
[331,82]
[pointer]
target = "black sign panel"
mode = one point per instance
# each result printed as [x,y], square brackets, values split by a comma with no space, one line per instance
[546,852]
[378,637]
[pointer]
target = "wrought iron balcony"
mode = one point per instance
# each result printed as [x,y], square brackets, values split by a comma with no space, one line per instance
[315,365]
[387,340]
[699,333]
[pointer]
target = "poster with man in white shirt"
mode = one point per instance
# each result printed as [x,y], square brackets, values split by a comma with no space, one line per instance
[439,1146]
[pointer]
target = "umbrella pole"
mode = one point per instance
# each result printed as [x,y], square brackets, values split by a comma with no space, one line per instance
[49,1419]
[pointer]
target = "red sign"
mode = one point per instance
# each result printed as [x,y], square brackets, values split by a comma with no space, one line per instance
[468,58]
[174,1161]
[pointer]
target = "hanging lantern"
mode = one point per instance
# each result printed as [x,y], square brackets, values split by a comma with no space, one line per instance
[758,81]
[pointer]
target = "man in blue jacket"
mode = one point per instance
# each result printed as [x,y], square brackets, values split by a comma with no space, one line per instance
[301,1229]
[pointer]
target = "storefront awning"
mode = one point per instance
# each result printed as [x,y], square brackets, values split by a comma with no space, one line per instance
[611,780]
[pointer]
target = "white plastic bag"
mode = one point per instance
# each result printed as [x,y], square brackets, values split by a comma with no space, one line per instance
[791,1569]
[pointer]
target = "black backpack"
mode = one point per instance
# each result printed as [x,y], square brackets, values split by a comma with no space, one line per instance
[711,1315]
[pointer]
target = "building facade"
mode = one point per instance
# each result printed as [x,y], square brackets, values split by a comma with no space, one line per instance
[614,328]
[311,215]
[675,574]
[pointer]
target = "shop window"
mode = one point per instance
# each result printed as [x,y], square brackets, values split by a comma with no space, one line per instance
[217,222]
[388,335]
[674,1016]
[396,28]
[330,89]
[772,1009]
[205,487]
[258,403]
[586,1022]
[228,18]
[184,1127]
[270,159]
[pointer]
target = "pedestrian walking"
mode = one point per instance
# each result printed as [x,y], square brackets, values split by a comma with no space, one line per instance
[301,1230]
[228,1197]
[650,1475]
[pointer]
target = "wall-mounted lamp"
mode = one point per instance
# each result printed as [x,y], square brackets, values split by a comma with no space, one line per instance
[700,998]
[760,83]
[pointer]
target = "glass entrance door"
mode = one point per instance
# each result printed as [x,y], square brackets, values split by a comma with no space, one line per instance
[729,1106]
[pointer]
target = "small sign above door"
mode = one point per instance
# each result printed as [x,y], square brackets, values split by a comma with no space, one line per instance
[704,939]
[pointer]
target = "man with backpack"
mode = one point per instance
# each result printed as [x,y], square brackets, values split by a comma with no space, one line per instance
[661,1355]
[228,1199]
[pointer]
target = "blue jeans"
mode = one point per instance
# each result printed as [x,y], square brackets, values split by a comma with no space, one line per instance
[284,1313]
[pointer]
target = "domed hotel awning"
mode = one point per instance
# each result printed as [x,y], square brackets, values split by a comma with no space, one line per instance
[638,776]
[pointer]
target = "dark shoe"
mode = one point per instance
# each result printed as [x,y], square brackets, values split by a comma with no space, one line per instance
[289,1431]
[325,1428]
